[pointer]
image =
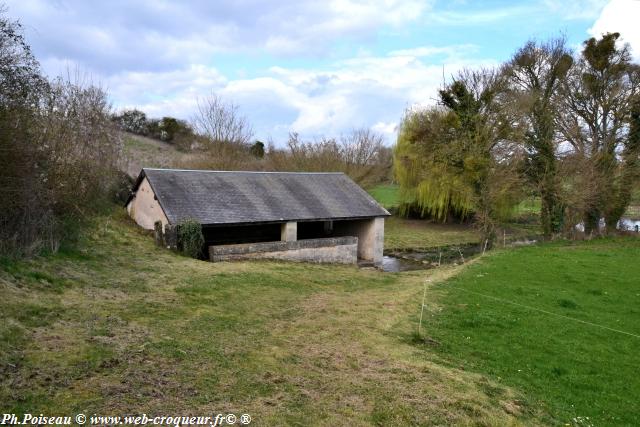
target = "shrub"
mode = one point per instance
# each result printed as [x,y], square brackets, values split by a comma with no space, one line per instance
[59,151]
[190,238]
[121,187]
[134,121]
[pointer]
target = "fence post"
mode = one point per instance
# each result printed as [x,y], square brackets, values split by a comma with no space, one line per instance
[171,237]
[158,234]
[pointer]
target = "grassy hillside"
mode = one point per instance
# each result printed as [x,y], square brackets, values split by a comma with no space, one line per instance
[142,152]
[120,326]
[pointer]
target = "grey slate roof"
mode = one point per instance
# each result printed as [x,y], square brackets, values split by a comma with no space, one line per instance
[216,197]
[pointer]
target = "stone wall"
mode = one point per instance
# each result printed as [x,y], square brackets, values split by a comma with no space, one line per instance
[340,250]
[166,235]
[370,234]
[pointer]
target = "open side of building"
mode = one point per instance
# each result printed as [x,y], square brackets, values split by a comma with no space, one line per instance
[315,217]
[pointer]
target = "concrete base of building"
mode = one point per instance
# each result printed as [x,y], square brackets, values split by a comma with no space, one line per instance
[337,250]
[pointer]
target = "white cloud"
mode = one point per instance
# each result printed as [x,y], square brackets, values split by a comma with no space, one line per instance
[480,17]
[387,129]
[452,53]
[173,93]
[620,16]
[369,91]
[576,9]
[144,35]
[160,57]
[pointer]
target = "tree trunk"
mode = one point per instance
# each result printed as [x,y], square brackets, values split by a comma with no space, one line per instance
[591,221]
[551,212]
[630,173]
[485,214]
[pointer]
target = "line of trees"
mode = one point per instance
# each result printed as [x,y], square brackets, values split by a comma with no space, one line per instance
[224,140]
[219,137]
[169,129]
[560,125]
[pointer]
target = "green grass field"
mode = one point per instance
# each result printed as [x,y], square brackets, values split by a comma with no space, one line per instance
[386,195]
[120,326]
[529,206]
[521,316]
[402,233]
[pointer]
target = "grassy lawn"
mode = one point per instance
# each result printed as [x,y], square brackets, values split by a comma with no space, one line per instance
[406,234]
[120,326]
[123,327]
[571,369]
[386,195]
[401,233]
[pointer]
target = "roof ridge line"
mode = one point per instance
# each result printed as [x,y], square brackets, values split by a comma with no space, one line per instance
[256,172]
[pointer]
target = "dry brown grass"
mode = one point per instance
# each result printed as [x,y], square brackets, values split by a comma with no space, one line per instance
[140,151]
[124,327]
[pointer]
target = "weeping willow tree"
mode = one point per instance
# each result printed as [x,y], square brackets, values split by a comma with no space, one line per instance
[457,159]
[428,165]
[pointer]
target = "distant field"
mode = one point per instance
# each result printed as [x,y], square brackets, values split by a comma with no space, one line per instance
[633,212]
[401,233]
[529,206]
[482,322]
[386,195]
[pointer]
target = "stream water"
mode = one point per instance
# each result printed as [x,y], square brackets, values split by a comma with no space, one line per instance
[396,261]
[625,224]
[629,224]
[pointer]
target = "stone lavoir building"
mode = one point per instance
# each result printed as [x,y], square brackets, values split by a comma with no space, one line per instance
[298,216]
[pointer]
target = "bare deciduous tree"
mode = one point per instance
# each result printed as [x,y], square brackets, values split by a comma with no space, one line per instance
[84,148]
[365,156]
[361,154]
[221,122]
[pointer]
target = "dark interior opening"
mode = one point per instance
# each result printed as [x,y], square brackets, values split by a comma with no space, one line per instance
[254,233]
[228,235]
[315,229]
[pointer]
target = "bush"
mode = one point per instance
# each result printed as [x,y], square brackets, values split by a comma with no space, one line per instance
[121,187]
[134,121]
[190,238]
[60,152]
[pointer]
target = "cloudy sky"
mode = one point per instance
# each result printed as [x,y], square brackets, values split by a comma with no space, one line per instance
[316,67]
